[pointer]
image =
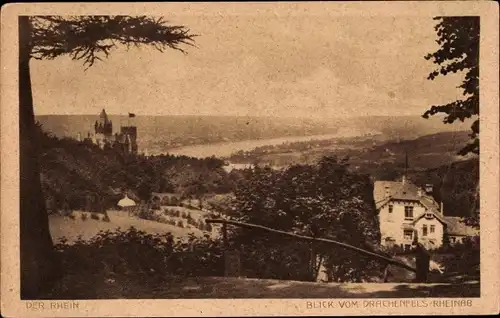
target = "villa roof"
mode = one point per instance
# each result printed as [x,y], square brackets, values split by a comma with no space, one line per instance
[456,226]
[385,191]
[436,215]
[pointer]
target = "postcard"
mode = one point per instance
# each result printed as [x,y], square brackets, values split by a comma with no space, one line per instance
[249,159]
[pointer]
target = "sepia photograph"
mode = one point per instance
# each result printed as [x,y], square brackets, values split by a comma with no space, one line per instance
[252,151]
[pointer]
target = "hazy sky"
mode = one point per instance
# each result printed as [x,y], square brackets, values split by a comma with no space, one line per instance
[268,65]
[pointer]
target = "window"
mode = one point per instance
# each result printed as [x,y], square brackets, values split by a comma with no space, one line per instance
[408,213]
[424,230]
[432,228]
[390,208]
[453,239]
[407,247]
[408,234]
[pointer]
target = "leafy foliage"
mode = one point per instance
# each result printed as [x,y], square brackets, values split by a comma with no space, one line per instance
[463,257]
[160,254]
[456,185]
[326,200]
[459,51]
[88,38]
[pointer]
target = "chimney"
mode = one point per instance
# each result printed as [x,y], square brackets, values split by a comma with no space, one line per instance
[419,192]
[429,188]
[387,192]
[403,179]
[442,208]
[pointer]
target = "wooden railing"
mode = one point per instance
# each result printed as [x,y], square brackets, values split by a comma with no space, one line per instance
[370,254]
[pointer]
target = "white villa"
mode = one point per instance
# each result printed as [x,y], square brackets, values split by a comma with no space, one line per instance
[404,208]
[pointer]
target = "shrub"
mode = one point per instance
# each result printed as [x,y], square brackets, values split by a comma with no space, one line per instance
[94,216]
[117,252]
[208,227]
[66,212]
[393,250]
[180,224]
[71,216]
[192,222]
[84,216]
[106,218]
[155,206]
[146,214]
[174,201]
[462,258]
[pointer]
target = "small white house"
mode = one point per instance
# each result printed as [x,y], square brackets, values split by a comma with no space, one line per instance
[403,209]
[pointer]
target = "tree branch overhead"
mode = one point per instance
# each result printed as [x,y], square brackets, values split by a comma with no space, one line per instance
[90,38]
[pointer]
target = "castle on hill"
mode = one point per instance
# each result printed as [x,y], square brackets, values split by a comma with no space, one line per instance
[125,140]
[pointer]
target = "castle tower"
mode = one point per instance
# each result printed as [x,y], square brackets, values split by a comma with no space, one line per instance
[103,128]
[103,117]
[130,135]
[104,125]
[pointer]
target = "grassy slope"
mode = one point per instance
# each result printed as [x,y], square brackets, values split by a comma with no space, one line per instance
[73,228]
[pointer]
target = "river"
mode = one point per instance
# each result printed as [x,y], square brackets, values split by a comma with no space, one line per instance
[225,149]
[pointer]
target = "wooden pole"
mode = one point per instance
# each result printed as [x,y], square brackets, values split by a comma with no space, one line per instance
[224,236]
[225,245]
[307,238]
[386,270]
[386,273]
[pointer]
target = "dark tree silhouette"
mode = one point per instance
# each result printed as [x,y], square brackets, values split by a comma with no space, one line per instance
[459,51]
[85,38]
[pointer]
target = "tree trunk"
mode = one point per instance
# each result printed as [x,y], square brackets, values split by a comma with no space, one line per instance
[36,247]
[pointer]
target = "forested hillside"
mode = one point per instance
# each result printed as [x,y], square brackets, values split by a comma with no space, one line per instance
[78,175]
[456,184]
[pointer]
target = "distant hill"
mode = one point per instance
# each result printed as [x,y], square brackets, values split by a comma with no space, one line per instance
[425,152]
[160,133]
[380,156]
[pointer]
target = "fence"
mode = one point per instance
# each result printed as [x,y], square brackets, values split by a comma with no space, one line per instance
[232,261]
